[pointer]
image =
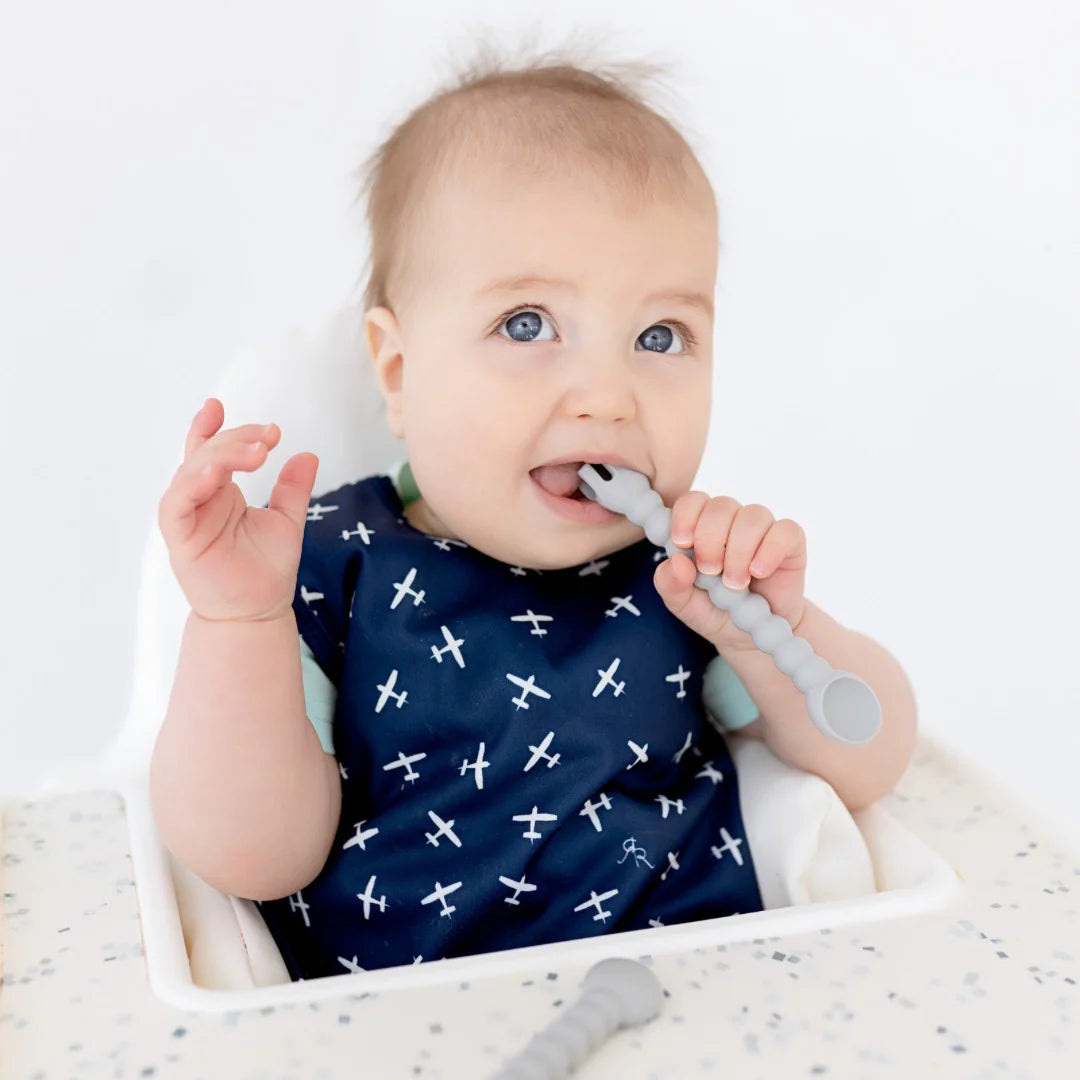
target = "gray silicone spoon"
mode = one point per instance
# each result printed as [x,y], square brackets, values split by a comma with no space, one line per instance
[617,993]
[840,704]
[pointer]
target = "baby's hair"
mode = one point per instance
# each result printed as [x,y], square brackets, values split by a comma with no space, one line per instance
[539,116]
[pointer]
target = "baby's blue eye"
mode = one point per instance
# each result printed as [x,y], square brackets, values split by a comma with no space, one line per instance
[525,326]
[658,338]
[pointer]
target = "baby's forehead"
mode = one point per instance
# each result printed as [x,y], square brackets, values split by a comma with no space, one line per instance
[485,218]
[509,172]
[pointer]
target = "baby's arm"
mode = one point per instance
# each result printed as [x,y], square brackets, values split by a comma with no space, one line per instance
[242,791]
[860,774]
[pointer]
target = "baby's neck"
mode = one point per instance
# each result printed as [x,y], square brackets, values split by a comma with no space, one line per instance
[417,515]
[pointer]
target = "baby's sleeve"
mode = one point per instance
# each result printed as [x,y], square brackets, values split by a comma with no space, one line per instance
[320,697]
[326,579]
[725,696]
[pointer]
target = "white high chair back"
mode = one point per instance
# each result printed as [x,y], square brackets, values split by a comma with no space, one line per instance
[317,384]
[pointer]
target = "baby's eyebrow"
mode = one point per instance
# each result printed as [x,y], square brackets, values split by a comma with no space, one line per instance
[526,281]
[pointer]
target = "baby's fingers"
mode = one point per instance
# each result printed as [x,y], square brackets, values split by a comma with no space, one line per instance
[206,432]
[751,525]
[189,489]
[204,424]
[712,533]
[784,546]
[685,512]
[198,479]
[292,492]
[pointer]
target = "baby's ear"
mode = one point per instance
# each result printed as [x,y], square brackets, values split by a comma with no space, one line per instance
[384,348]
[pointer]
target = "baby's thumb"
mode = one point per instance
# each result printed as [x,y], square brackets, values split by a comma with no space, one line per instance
[292,492]
[674,580]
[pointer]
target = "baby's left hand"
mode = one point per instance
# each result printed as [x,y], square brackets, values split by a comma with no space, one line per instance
[749,546]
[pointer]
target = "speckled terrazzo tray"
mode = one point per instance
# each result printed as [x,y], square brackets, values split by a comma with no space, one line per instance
[985,987]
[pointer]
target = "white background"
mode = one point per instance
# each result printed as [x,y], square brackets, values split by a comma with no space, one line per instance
[897,333]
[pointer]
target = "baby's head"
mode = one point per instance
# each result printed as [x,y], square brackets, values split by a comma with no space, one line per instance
[543,264]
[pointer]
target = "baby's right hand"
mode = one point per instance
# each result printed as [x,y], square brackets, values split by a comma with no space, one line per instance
[234,562]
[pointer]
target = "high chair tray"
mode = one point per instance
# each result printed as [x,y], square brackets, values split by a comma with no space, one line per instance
[985,985]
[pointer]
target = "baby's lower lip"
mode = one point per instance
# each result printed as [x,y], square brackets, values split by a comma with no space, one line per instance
[582,510]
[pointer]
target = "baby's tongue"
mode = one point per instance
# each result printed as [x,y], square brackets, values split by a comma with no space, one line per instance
[559,479]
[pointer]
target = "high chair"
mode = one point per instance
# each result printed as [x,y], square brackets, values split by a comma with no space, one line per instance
[934,931]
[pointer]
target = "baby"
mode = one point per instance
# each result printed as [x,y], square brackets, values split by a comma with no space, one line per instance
[518,698]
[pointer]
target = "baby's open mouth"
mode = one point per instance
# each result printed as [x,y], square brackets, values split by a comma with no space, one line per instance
[561,480]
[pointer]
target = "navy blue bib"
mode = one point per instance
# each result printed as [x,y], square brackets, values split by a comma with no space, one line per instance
[524,755]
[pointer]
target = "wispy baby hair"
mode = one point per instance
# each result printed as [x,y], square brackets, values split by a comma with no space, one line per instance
[539,116]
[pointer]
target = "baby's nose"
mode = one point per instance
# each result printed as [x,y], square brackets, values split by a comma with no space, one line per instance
[603,392]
